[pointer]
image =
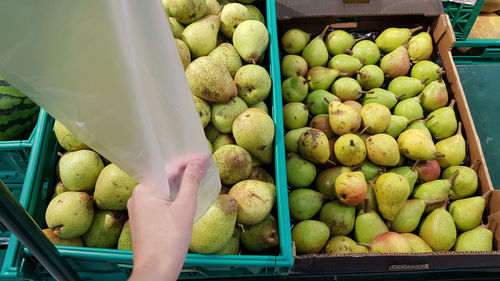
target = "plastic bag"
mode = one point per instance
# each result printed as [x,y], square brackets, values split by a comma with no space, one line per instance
[110,72]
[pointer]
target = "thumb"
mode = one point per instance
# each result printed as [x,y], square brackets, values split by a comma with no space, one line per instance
[190,182]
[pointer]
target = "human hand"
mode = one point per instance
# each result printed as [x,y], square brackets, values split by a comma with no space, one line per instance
[161,229]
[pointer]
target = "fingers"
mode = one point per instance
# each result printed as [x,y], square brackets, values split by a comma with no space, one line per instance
[190,182]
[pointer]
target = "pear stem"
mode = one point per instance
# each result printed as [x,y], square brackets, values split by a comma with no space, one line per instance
[324,31]
[400,96]
[389,224]
[364,129]
[429,118]
[366,92]
[440,72]
[364,245]
[242,227]
[344,74]
[445,203]
[326,100]
[486,195]
[424,80]
[387,76]
[374,180]
[428,29]
[420,96]
[452,103]
[60,154]
[348,51]
[360,38]
[307,106]
[431,202]
[366,209]
[413,30]
[220,10]
[362,61]
[452,178]
[475,165]
[415,119]
[331,162]
[415,165]
[459,129]
[439,154]
[253,61]
[357,167]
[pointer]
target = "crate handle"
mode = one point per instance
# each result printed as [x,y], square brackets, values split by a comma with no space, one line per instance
[492,53]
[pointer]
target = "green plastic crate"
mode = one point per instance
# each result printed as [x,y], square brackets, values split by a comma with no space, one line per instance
[109,264]
[462,16]
[482,51]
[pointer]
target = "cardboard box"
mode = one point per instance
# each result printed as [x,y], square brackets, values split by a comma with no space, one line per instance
[376,16]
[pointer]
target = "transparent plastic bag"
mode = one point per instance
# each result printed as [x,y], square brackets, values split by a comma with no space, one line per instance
[110,72]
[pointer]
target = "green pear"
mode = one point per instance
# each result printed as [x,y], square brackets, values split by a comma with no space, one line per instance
[113,189]
[388,242]
[467,213]
[201,36]
[304,203]
[262,106]
[453,149]
[292,139]
[315,52]
[425,69]
[383,150]
[214,229]
[293,65]
[76,242]
[310,236]
[255,14]
[79,170]
[222,140]
[376,118]
[350,150]
[351,188]
[465,184]
[321,78]
[253,130]
[410,175]
[234,162]
[380,96]
[434,96]
[408,217]
[105,229]
[477,239]
[370,170]
[391,191]
[369,77]
[338,41]
[346,88]
[368,225]
[66,139]
[406,87]
[322,123]
[442,122]
[255,200]
[318,101]
[125,239]
[313,146]
[416,243]
[294,89]
[224,114]
[203,109]
[325,181]
[253,82]
[210,80]
[176,27]
[419,125]
[227,55]
[339,217]
[294,41]
[438,230]
[58,189]
[392,38]
[250,39]
[262,236]
[231,16]
[345,64]
[211,132]
[213,7]
[187,11]
[399,124]
[433,190]
[232,246]
[420,47]
[416,144]
[343,245]
[165,6]
[396,63]
[295,115]
[366,51]
[299,172]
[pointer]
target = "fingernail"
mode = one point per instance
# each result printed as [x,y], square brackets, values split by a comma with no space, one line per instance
[197,165]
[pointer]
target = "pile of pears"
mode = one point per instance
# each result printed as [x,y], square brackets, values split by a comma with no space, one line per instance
[222,47]
[89,205]
[375,154]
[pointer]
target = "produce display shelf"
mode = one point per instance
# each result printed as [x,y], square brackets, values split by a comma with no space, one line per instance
[479,51]
[462,16]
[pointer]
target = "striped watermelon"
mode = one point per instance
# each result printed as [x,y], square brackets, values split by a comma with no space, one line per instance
[18,114]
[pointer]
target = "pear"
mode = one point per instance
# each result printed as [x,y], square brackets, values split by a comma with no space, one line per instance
[113,189]
[293,65]
[396,63]
[255,14]
[232,246]
[318,101]
[234,162]
[201,36]
[76,242]
[300,172]
[416,144]
[294,41]
[338,41]
[434,190]
[370,170]
[262,236]
[369,77]
[428,170]
[438,230]
[343,245]
[391,191]
[419,125]
[442,122]
[231,16]
[420,47]
[222,140]
[468,213]
[408,217]
[392,38]
[339,217]
[253,130]
[66,139]
[416,243]
[262,106]
[465,184]
[304,203]
[105,229]
[322,123]
[350,150]
[294,89]
[213,7]
[388,242]
[203,110]
[405,86]
[227,55]
[211,132]
[368,225]
[426,70]
[125,239]
[321,78]
[343,119]
[399,124]
[310,236]
[453,148]
[224,114]
[345,64]
[295,115]
[366,51]
[58,189]
[187,11]
[259,173]
[292,139]
[410,175]
[214,229]
[210,80]
[381,96]
[325,181]
[165,6]
[434,96]
[315,52]
[250,39]
[370,197]
[346,88]
[255,200]
[177,28]
[313,146]
[382,149]
[351,188]
[253,82]
[376,118]
[477,239]
[79,170]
